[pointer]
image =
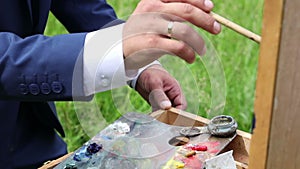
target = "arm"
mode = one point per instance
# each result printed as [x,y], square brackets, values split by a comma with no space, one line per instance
[147,29]
[83,15]
[41,68]
[27,63]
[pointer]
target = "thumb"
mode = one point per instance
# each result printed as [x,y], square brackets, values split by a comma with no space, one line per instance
[159,100]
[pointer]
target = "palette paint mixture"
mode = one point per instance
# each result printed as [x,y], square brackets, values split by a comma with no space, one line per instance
[142,142]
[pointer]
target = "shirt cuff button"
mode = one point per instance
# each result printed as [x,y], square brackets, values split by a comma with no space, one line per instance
[104,81]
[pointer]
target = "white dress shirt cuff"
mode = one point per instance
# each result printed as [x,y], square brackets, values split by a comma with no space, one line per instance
[103,63]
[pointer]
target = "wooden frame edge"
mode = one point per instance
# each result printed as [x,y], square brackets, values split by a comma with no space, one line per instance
[266,82]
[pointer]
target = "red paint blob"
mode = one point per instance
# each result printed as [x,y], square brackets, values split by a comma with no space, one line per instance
[212,146]
[199,148]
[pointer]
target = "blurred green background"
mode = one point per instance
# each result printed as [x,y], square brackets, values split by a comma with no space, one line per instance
[236,55]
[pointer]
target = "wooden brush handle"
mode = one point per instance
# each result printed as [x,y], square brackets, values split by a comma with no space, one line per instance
[236,27]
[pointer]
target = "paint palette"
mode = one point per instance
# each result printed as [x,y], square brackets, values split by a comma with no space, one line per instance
[142,141]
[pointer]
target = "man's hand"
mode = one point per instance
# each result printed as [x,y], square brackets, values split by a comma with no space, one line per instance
[158,27]
[160,89]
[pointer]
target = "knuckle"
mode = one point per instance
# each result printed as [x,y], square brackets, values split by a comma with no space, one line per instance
[152,41]
[209,22]
[155,81]
[150,80]
[176,88]
[185,52]
[187,8]
[149,6]
[181,47]
[185,31]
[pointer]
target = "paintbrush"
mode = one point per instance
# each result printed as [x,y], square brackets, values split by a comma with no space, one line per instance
[239,29]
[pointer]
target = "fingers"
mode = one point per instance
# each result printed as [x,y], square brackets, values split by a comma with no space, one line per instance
[159,100]
[155,47]
[206,5]
[148,40]
[193,11]
[189,36]
[146,35]
[192,14]
[160,89]
[176,95]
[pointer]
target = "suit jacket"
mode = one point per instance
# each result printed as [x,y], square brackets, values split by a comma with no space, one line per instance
[35,70]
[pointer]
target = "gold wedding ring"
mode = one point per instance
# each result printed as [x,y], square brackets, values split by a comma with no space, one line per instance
[170,28]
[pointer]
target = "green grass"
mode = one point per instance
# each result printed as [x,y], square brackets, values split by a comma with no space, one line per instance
[235,56]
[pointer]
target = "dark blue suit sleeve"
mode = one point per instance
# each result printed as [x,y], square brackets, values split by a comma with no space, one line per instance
[40,68]
[83,15]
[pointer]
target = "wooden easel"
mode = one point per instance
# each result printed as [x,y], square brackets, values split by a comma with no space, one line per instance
[276,138]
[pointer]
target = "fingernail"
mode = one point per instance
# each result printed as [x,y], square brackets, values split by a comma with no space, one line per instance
[217,27]
[165,104]
[208,4]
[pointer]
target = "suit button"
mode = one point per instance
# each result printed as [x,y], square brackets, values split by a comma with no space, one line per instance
[45,88]
[56,87]
[23,89]
[34,89]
